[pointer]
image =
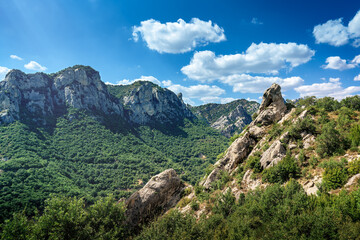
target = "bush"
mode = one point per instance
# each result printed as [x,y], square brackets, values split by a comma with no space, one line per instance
[354,135]
[304,125]
[329,141]
[354,167]
[194,205]
[283,171]
[334,177]
[253,162]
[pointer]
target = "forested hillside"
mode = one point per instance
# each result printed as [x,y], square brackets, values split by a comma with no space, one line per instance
[91,148]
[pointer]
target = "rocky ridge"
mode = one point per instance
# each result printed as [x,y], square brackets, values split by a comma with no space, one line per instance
[41,96]
[229,118]
[272,109]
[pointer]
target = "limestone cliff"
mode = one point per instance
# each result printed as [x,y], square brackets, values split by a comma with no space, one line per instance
[229,118]
[43,95]
[149,103]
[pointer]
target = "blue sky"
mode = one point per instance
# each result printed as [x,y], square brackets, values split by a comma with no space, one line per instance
[211,51]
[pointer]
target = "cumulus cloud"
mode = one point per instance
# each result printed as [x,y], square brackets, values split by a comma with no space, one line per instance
[338,64]
[354,26]
[177,37]
[333,88]
[204,93]
[142,78]
[16,57]
[357,78]
[32,65]
[3,72]
[335,33]
[266,58]
[245,83]
[332,32]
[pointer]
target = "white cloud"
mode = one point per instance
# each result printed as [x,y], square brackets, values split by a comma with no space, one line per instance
[333,88]
[197,91]
[177,37]
[338,64]
[32,65]
[332,32]
[256,21]
[335,33]
[258,58]
[3,72]
[354,26]
[16,57]
[357,78]
[142,78]
[204,93]
[245,83]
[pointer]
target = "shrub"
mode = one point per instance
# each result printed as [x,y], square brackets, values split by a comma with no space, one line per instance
[329,104]
[194,205]
[283,171]
[253,162]
[334,177]
[303,125]
[354,135]
[329,140]
[354,167]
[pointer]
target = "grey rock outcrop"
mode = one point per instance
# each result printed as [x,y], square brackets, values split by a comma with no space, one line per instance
[236,120]
[272,107]
[273,155]
[161,193]
[151,103]
[45,95]
[236,153]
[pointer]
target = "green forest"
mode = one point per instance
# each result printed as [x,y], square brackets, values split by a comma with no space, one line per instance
[84,157]
[75,174]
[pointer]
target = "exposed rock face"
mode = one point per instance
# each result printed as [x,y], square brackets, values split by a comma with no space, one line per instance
[236,120]
[272,107]
[353,180]
[237,152]
[150,103]
[229,118]
[310,186]
[161,193]
[273,155]
[44,95]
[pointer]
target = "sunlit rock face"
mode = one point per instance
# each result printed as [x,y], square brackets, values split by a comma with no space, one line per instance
[43,95]
[150,103]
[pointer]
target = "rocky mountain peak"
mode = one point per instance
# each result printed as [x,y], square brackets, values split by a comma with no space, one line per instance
[272,107]
[149,103]
[44,95]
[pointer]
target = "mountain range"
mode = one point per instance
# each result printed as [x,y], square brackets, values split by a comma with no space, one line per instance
[69,133]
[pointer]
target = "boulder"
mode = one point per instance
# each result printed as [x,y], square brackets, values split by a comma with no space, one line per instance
[272,107]
[353,180]
[236,153]
[274,154]
[161,193]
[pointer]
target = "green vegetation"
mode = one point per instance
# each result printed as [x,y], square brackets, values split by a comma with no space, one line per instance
[274,213]
[82,157]
[283,171]
[69,218]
